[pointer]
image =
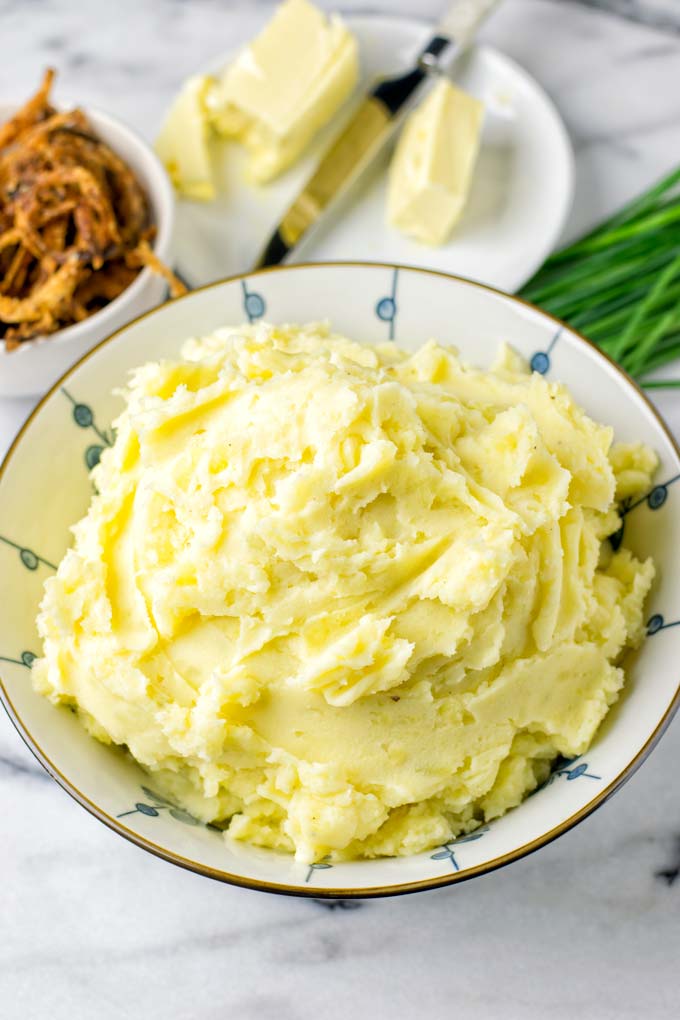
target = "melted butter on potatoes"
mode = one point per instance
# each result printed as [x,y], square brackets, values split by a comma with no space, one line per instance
[345,599]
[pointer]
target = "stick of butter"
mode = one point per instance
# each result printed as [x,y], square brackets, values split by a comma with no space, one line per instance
[431,171]
[285,86]
[182,145]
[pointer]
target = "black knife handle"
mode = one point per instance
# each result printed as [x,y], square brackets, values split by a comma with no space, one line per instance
[395,92]
[274,253]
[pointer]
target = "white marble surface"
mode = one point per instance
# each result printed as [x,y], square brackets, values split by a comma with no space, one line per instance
[588,927]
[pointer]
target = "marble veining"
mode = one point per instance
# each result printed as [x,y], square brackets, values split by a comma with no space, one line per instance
[11,765]
[588,927]
[670,874]
[664,14]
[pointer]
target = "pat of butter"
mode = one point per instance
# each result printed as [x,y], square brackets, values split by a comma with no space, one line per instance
[183,143]
[285,86]
[431,171]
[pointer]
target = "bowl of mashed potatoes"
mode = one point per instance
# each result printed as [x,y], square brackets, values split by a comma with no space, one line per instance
[341,580]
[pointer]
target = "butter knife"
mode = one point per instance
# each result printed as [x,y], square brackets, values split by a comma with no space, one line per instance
[373,124]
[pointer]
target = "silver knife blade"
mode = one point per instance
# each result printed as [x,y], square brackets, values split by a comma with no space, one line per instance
[372,125]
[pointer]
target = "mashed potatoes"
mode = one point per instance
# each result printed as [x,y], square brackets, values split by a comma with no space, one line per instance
[345,600]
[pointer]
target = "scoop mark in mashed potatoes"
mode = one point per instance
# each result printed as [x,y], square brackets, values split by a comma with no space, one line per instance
[350,600]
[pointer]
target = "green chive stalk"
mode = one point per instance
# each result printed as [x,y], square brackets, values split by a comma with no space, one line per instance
[619,285]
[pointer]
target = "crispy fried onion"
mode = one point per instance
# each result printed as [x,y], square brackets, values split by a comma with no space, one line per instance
[75,224]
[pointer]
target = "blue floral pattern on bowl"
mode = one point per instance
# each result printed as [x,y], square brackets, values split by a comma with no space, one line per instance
[159,804]
[322,865]
[655,499]
[31,560]
[568,768]
[84,418]
[447,851]
[386,307]
[26,659]
[657,622]
[540,361]
[254,305]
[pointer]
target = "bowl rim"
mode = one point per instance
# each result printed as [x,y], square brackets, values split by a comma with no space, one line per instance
[335,893]
[161,198]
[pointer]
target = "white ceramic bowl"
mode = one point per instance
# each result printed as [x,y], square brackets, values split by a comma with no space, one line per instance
[37,364]
[44,487]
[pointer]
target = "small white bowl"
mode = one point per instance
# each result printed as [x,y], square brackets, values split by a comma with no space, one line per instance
[47,468]
[36,364]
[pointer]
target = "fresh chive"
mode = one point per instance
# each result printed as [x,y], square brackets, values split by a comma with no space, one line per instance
[603,320]
[632,334]
[614,284]
[620,283]
[640,205]
[649,340]
[661,384]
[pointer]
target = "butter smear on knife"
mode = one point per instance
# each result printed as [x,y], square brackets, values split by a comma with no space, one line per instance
[285,86]
[431,171]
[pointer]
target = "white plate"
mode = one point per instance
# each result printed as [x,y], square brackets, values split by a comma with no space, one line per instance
[520,199]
